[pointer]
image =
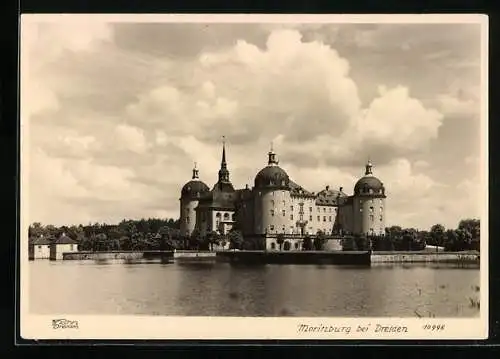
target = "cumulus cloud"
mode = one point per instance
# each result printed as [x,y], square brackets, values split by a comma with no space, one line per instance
[117,120]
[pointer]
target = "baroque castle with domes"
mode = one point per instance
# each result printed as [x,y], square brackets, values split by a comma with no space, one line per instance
[276,204]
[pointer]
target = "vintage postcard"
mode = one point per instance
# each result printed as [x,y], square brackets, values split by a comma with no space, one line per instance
[254,177]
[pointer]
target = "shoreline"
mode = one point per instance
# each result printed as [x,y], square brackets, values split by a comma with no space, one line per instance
[278,257]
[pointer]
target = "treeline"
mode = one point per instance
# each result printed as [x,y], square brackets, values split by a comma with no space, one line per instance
[137,235]
[164,234]
[465,237]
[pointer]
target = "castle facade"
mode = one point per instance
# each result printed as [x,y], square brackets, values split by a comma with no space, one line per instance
[276,204]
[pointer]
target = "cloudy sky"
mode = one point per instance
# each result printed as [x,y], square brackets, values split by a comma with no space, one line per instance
[118,112]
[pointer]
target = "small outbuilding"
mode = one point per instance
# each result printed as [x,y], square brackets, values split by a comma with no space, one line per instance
[39,248]
[63,244]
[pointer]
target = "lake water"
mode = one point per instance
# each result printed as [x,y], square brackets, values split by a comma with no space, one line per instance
[220,289]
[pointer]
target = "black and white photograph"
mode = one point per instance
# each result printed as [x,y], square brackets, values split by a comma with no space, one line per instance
[253,176]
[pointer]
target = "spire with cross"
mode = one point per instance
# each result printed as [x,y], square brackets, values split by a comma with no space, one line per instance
[223,172]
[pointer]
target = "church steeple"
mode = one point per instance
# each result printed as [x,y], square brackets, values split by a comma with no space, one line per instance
[272,157]
[368,168]
[223,172]
[195,172]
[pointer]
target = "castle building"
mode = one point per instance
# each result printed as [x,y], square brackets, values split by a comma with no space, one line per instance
[277,205]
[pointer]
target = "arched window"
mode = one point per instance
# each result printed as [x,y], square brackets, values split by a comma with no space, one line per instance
[226,216]
[217,215]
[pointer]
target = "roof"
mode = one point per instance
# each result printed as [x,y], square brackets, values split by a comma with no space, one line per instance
[194,188]
[329,197]
[64,239]
[297,190]
[222,196]
[41,241]
[367,183]
[272,176]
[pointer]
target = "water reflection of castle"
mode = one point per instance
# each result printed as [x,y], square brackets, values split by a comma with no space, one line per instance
[276,204]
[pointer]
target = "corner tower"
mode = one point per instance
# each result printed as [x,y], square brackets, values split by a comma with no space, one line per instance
[190,195]
[369,204]
[272,200]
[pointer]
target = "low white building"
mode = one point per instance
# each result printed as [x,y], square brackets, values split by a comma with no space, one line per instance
[63,244]
[39,248]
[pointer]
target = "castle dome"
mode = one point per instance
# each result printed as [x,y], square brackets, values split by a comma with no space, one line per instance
[194,188]
[369,184]
[272,176]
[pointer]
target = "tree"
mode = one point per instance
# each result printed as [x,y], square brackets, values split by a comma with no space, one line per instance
[437,235]
[213,238]
[280,239]
[307,243]
[195,241]
[319,241]
[450,240]
[235,239]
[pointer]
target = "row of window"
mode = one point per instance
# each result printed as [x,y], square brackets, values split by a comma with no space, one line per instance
[310,208]
[372,218]
[371,209]
[301,217]
[285,246]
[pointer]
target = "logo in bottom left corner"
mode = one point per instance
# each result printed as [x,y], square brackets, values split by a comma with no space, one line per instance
[64,324]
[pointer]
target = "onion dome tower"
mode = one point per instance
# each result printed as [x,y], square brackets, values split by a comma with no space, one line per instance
[190,195]
[272,176]
[272,199]
[369,204]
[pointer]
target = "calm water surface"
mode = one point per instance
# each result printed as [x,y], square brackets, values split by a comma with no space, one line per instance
[219,289]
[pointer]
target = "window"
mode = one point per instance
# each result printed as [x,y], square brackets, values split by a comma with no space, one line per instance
[330,218]
[291,217]
[271,227]
[310,209]
[317,208]
[324,218]
[39,247]
[272,212]
[217,215]
[301,217]
[371,217]
[319,218]
[381,218]
[330,209]
[291,208]
[283,212]
[324,209]
[273,245]
[272,202]
[226,215]
[296,245]
[310,218]
[284,203]
[381,209]
[187,219]
[371,209]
